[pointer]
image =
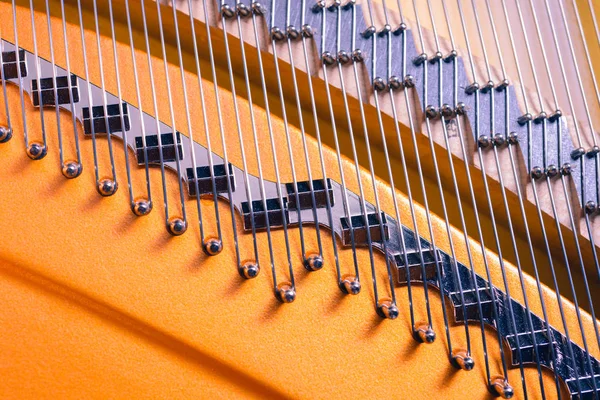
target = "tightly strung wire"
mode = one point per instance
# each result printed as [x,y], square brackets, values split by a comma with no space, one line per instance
[285,289]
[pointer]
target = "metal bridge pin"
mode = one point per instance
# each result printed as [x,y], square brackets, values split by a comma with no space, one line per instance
[593,151]
[249,269]
[285,292]
[500,387]
[176,226]
[565,169]
[394,82]
[292,32]
[307,31]
[513,138]
[577,153]
[71,169]
[436,57]
[227,11]
[423,333]
[370,31]
[243,9]
[5,134]
[400,29]
[343,57]
[350,284]
[503,85]
[387,28]
[258,9]
[499,140]
[555,115]
[461,108]
[277,34]
[488,87]
[141,206]
[524,119]
[334,5]
[552,170]
[313,262]
[484,141]
[409,81]
[420,59]
[387,309]
[590,207]
[379,84]
[328,58]
[36,150]
[461,359]
[106,187]
[319,5]
[472,88]
[212,246]
[447,111]
[451,56]
[431,112]
[357,55]
[540,117]
[537,173]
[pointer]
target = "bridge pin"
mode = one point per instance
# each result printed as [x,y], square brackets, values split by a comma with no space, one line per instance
[176,226]
[212,246]
[503,85]
[378,84]
[409,81]
[447,111]
[394,82]
[343,57]
[292,32]
[484,141]
[249,269]
[423,333]
[590,207]
[258,8]
[431,112]
[285,292]
[313,262]
[243,10]
[227,11]
[277,34]
[453,55]
[552,170]
[71,169]
[499,140]
[500,387]
[5,134]
[307,31]
[555,115]
[36,151]
[387,309]
[461,359]
[461,108]
[370,31]
[350,284]
[141,206]
[106,187]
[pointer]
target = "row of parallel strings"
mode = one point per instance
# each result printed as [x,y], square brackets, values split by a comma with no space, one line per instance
[385,90]
[499,140]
